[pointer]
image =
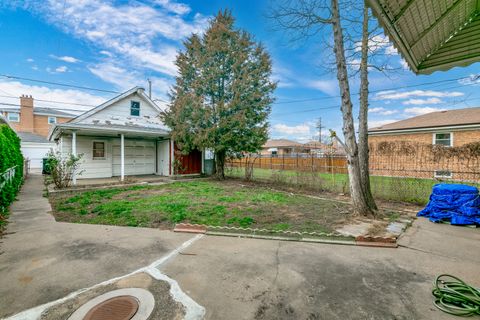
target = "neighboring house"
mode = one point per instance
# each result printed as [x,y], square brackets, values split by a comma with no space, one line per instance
[322,149]
[281,147]
[32,125]
[452,128]
[123,136]
[32,119]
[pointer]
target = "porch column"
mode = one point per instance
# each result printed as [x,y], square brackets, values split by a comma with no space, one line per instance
[74,152]
[122,157]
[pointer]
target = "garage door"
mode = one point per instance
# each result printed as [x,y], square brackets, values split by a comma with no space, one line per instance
[139,157]
[35,152]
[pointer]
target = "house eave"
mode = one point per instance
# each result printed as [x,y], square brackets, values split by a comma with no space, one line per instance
[57,129]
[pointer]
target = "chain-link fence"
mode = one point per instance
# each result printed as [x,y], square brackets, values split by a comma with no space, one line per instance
[399,171]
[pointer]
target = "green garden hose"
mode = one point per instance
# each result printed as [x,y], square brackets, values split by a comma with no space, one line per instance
[454,296]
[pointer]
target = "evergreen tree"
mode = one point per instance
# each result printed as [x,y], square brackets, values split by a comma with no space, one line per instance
[223,93]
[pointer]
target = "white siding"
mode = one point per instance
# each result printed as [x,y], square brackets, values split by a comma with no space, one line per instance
[94,168]
[119,114]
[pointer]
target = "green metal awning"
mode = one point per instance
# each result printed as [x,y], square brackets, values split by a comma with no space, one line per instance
[432,35]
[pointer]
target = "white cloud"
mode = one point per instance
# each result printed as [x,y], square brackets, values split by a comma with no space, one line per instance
[16,89]
[329,87]
[30,60]
[382,111]
[146,36]
[404,64]
[422,101]
[379,123]
[106,53]
[178,8]
[390,50]
[396,95]
[421,110]
[61,69]
[376,43]
[473,79]
[302,129]
[125,79]
[68,59]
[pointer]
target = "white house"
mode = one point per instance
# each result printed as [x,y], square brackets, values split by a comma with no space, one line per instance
[123,136]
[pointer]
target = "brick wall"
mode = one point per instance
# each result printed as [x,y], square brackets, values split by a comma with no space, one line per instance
[41,125]
[411,155]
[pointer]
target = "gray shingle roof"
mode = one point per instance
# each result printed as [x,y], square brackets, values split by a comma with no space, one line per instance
[40,110]
[459,117]
[32,137]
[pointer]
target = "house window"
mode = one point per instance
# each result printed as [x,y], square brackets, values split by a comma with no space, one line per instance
[52,120]
[13,117]
[443,174]
[98,150]
[444,139]
[135,108]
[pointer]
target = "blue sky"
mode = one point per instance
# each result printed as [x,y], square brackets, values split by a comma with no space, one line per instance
[115,45]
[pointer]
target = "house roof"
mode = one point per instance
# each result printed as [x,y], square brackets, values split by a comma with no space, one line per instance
[448,118]
[432,34]
[276,143]
[316,145]
[41,111]
[32,137]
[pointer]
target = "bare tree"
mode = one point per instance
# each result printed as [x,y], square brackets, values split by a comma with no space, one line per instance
[306,18]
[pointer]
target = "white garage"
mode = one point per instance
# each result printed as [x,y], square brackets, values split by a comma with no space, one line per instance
[34,148]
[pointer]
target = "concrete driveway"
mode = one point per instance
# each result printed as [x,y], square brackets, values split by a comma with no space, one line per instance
[42,260]
[235,278]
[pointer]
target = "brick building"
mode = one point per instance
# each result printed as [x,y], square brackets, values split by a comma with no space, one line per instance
[433,145]
[32,125]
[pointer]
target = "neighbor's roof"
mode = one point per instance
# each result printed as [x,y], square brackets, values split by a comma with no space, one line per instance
[32,137]
[432,34]
[275,143]
[316,145]
[41,111]
[449,118]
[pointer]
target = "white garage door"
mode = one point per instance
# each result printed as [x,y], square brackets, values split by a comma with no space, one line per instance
[35,152]
[139,157]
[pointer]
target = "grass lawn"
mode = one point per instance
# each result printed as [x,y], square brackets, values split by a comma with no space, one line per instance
[204,202]
[413,190]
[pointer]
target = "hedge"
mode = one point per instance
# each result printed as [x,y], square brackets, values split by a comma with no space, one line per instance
[10,156]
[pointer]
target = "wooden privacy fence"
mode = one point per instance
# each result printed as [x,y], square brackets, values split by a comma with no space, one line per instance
[298,162]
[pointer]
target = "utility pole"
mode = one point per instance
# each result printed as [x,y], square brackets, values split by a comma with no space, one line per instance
[319,127]
[149,88]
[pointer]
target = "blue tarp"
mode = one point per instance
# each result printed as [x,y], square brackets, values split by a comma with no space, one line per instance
[457,203]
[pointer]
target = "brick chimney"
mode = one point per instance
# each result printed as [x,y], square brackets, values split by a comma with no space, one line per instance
[26,113]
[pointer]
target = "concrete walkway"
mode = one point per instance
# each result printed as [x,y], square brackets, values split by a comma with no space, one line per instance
[235,278]
[43,260]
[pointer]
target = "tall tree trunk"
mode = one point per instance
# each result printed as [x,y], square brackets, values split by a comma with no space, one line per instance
[220,164]
[359,201]
[363,150]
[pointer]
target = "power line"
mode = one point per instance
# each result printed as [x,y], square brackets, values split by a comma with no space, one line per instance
[381,90]
[57,83]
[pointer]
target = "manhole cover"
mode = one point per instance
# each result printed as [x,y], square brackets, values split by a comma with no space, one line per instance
[117,308]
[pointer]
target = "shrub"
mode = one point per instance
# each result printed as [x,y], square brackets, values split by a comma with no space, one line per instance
[10,157]
[62,168]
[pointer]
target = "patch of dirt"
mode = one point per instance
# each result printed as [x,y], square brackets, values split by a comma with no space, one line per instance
[165,307]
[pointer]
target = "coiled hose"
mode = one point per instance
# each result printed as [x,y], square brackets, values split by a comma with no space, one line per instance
[454,296]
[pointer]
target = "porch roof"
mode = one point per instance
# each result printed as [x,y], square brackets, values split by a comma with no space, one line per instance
[107,130]
[432,34]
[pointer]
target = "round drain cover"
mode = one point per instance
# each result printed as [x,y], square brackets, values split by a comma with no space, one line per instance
[117,308]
